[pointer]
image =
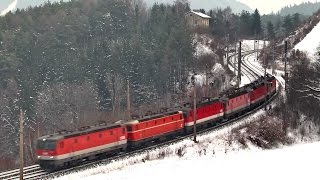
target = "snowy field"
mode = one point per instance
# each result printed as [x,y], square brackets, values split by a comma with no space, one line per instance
[310,43]
[297,162]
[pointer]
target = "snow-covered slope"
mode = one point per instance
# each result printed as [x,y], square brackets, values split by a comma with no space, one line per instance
[11,7]
[22,4]
[297,162]
[310,43]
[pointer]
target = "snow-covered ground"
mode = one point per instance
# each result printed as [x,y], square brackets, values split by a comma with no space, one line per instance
[297,162]
[11,7]
[248,45]
[203,48]
[310,43]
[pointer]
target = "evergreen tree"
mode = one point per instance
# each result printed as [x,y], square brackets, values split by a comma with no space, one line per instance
[245,23]
[270,30]
[256,23]
[296,19]
[287,24]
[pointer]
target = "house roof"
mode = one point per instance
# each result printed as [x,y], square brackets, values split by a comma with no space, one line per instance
[200,14]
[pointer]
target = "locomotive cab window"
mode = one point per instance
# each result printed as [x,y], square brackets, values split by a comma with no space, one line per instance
[130,128]
[46,145]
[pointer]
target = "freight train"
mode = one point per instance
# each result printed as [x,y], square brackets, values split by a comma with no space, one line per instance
[67,148]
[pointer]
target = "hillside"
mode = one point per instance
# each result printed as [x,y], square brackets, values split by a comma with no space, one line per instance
[307,8]
[235,5]
[4,4]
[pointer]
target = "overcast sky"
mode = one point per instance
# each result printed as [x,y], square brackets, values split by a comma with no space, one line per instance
[267,6]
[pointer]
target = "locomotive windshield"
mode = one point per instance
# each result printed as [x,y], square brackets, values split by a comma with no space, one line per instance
[46,145]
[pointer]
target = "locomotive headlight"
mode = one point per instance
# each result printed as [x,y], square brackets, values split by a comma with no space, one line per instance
[39,157]
[51,157]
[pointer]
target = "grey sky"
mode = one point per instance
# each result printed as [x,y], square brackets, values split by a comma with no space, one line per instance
[267,6]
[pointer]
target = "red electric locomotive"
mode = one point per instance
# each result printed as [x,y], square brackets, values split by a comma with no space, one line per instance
[258,93]
[237,103]
[208,113]
[154,128]
[67,148]
[272,88]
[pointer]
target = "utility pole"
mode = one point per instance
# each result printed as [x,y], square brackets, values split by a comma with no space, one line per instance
[239,65]
[128,100]
[235,52]
[21,145]
[285,82]
[273,58]
[227,49]
[235,58]
[285,65]
[207,84]
[193,78]
[265,70]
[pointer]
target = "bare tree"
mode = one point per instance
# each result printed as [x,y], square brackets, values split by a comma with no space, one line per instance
[60,105]
[9,121]
[116,85]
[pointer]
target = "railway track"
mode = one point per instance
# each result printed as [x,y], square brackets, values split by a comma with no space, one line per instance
[246,70]
[30,172]
[35,172]
[254,67]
